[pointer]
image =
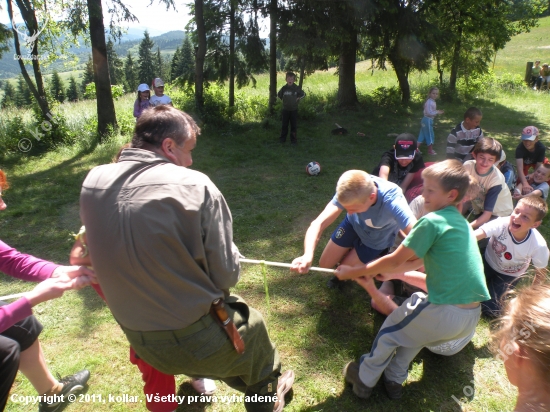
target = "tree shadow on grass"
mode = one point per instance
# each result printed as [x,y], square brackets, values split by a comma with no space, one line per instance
[445,383]
[345,326]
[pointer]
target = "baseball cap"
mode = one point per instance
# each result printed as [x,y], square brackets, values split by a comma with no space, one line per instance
[405,146]
[529,133]
[143,87]
[158,82]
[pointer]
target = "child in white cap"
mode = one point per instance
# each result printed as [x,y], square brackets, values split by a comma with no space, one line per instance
[142,101]
[530,154]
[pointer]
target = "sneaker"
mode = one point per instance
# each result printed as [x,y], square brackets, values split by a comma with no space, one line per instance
[204,386]
[432,153]
[71,385]
[351,373]
[419,151]
[394,389]
[335,283]
[286,380]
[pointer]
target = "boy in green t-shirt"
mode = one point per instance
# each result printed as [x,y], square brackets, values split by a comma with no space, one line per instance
[454,279]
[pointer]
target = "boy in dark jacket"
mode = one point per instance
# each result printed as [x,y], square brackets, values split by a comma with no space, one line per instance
[290,94]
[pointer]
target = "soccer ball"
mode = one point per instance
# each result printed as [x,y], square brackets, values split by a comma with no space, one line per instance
[313,168]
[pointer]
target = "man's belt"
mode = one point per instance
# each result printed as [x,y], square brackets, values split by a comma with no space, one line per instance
[218,312]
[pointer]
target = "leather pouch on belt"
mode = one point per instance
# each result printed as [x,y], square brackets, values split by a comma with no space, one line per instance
[219,313]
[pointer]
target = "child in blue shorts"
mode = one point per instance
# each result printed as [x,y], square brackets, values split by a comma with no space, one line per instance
[376,211]
[426,134]
[454,280]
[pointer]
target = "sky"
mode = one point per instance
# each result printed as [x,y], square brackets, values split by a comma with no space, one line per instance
[154,17]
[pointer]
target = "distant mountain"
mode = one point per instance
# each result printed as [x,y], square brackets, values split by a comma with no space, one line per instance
[167,42]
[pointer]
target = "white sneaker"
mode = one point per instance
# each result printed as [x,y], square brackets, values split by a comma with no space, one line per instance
[204,386]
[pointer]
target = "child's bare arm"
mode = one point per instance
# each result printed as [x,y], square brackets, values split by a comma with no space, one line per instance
[385,264]
[534,193]
[480,234]
[517,191]
[521,176]
[384,172]
[406,182]
[326,218]
[483,218]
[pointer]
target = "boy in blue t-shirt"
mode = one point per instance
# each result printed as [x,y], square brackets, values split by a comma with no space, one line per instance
[454,279]
[376,211]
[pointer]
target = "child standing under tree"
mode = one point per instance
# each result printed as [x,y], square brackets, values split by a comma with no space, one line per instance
[142,102]
[290,94]
[427,124]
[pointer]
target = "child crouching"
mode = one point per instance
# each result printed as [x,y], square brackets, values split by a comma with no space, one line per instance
[454,280]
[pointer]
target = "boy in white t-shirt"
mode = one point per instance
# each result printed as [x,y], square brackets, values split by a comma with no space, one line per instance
[159,97]
[514,243]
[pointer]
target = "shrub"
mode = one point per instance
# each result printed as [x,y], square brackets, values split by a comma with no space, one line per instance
[14,132]
[387,97]
[511,81]
[475,84]
[117,90]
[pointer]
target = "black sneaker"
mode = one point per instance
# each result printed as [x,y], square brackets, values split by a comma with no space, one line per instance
[71,385]
[394,389]
[335,283]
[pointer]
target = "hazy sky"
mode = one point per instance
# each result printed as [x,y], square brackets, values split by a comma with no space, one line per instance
[154,17]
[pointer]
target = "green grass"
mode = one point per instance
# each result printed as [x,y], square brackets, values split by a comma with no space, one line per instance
[526,47]
[316,330]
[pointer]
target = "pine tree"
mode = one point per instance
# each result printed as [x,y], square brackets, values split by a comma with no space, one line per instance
[158,63]
[88,75]
[175,65]
[23,94]
[187,62]
[57,88]
[9,95]
[130,73]
[116,65]
[72,91]
[146,72]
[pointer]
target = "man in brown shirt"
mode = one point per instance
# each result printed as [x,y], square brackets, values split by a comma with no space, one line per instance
[161,240]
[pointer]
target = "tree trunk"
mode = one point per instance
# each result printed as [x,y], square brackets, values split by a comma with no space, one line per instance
[38,91]
[232,54]
[401,72]
[200,55]
[456,61]
[439,71]
[302,71]
[106,116]
[272,56]
[347,95]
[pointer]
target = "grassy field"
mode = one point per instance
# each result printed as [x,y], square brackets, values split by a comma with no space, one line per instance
[316,330]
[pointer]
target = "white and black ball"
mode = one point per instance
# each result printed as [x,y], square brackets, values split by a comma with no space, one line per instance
[313,168]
